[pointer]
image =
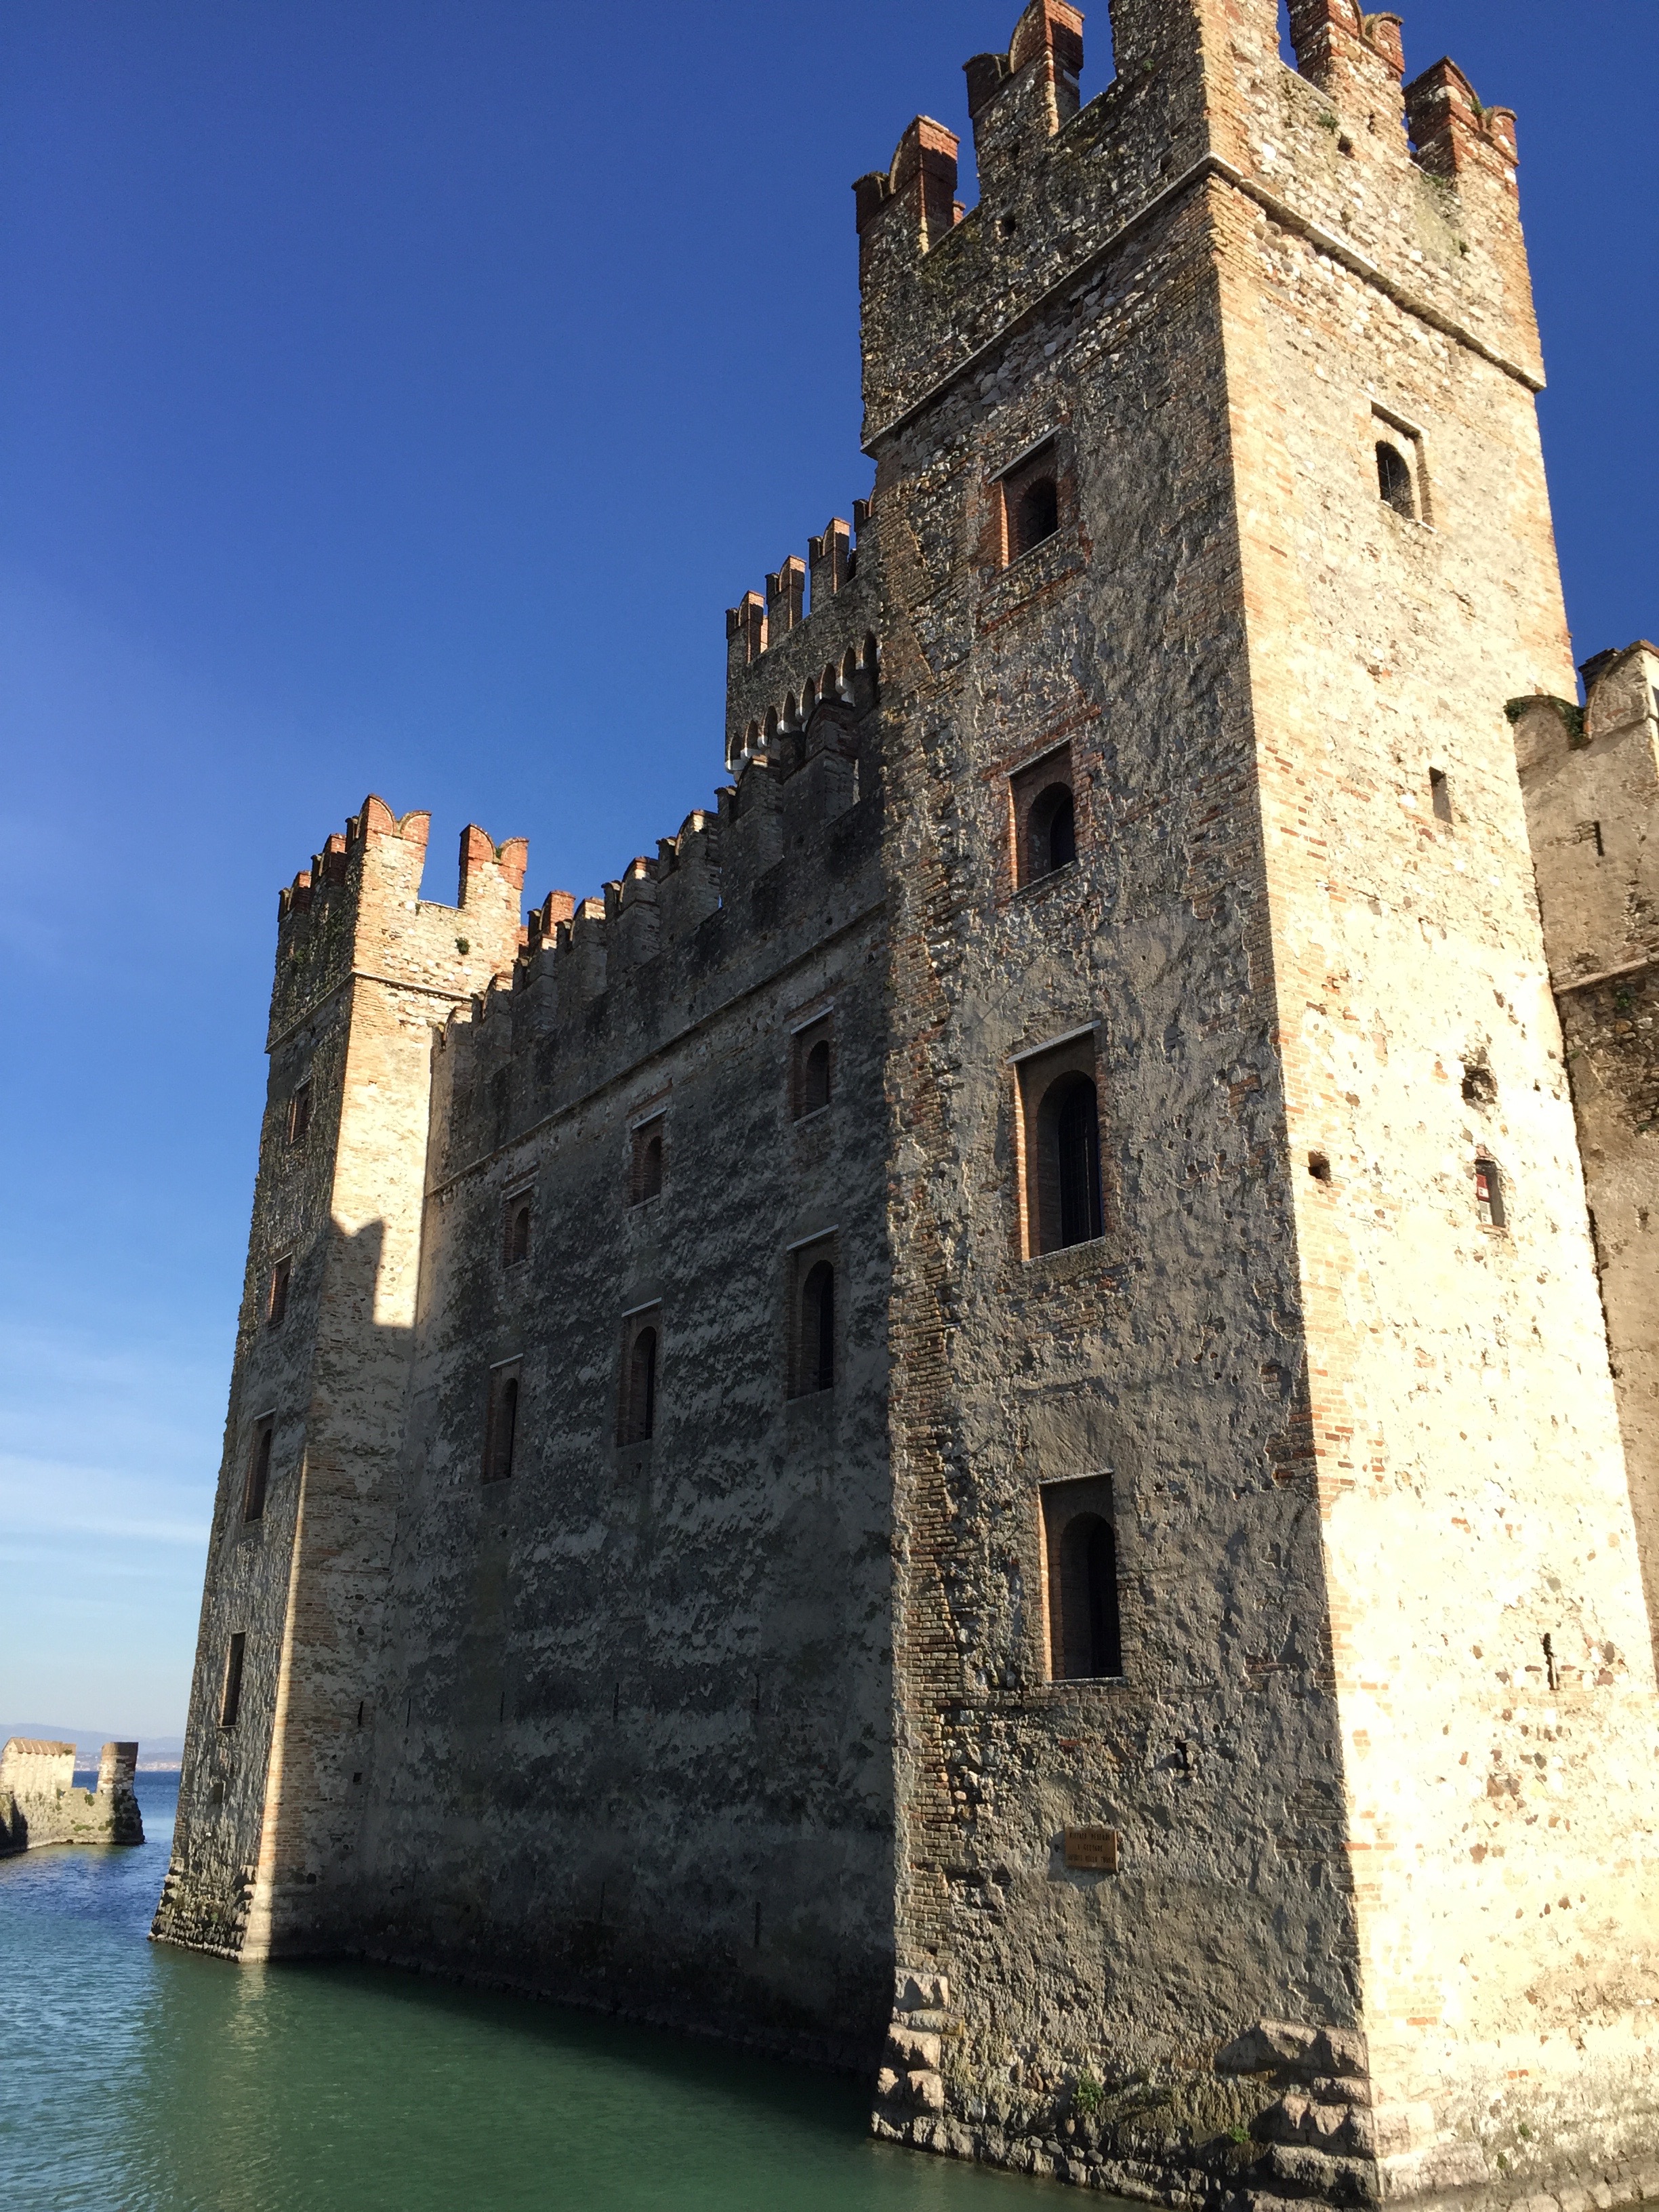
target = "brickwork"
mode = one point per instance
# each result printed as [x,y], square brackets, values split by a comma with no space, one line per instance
[598,1603]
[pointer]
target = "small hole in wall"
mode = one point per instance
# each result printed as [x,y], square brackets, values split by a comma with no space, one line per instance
[1345,144]
[1007,225]
[1440,794]
[1479,1087]
[1319,1167]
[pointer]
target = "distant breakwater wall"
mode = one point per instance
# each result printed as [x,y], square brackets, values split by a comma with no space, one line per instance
[40,1804]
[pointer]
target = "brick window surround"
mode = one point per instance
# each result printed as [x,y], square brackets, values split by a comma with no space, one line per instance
[648,1159]
[1035,501]
[1042,804]
[812,1067]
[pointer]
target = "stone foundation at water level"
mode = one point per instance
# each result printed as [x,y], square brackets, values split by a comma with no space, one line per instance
[975,1425]
[39,1804]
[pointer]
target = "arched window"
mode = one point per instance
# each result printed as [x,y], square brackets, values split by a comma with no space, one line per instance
[1036,515]
[817,1328]
[815,1078]
[639,1420]
[1393,479]
[649,1156]
[1051,831]
[517,1231]
[503,1432]
[814,1068]
[651,1167]
[1090,1645]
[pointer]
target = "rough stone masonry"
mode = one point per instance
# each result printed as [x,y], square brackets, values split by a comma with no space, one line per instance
[972,1427]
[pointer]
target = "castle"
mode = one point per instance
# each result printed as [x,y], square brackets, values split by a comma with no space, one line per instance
[977,1426]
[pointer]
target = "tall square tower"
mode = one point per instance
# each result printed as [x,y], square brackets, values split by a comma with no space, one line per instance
[1275,1698]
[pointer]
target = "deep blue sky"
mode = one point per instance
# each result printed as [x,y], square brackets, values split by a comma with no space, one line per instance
[394,395]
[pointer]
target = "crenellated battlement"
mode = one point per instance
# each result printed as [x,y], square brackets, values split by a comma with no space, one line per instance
[787,655]
[358,909]
[1337,150]
[789,851]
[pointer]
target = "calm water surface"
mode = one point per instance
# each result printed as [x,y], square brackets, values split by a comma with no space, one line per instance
[139,2077]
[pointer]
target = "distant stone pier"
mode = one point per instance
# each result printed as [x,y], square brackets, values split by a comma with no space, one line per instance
[40,1804]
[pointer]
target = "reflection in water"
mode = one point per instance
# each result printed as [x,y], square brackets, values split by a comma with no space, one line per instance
[150,2080]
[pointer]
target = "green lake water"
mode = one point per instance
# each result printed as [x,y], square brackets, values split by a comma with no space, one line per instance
[136,2076]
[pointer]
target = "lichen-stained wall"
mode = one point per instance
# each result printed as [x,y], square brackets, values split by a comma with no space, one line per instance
[1591,780]
[1315,977]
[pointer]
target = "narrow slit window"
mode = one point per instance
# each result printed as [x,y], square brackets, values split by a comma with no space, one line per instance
[257,1480]
[276,1297]
[815,1329]
[515,1239]
[230,1694]
[1440,794]
[1489,1195]
[1085,1639]
[641,1349]
[299,1114]
[813,1069]
[502,1426]
[1393,479]
[649,1159]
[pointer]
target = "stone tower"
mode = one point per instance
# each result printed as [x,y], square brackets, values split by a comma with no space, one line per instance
[366,972]
[974,1409]
[1209,492]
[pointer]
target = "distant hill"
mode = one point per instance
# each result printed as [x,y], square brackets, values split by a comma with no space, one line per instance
[152,1750]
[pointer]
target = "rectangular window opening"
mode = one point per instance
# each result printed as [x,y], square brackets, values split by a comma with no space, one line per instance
[641,1361]
[1062,1197]
[276,1298]
[1440,794]
[502,1423]
[811,1068]
[230,1696]
[1043,802]
[1081,1581]
[257,1480]
[298,1112]
[648,1162]
[813,1341]
[515,1229]
[1489,1195]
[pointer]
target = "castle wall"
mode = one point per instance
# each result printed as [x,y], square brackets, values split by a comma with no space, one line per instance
[640,1748]
[1590,778]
